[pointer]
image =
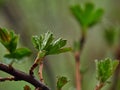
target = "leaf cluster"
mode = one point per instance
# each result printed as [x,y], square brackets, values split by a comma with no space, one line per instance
[46,44]
[110,35]
[105,68]
[10,41]
[61,82]
[87,16]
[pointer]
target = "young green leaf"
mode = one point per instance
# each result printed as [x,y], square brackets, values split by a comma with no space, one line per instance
[46,45]
[110,35]
[97,17]
[87,16]
[78,13]
[4,35]
[61,82]
[19,53]
[56,45]
[105,68]
[9,39]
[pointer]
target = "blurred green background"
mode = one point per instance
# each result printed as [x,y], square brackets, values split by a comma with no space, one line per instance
[34,17]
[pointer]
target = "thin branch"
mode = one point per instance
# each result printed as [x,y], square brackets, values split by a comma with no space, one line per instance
[77,61]
[19,75]
[78,75]
[40,72]
[7,78]
[37,61]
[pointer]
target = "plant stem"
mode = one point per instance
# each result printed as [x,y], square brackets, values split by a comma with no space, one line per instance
[99,86]
[78,74]
[77,60]
[19,75]
[82,40]
[37,61]
[40,72]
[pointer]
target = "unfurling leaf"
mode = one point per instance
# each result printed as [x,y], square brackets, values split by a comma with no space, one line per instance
[9,39]
[4,35]
[46,45]
[105,68]
[43,41]
[61,82]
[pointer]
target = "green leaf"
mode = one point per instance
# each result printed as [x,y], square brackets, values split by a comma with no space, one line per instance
[105,68]
[61,82]
[47,40]
[43,41]
[56,45]
[97,17]
[4,35]
[9,39]
[78,13]
[19,53]
[87,16]
[110,35]
[36,42]
[46,44]
[62,50]
[13,43]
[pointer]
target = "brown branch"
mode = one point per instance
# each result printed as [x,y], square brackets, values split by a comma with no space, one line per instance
[19,75]
[37,61]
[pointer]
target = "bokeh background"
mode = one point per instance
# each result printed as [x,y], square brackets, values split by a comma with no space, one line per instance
[34,17]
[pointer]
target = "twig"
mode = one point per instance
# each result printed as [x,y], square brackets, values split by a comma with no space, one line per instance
[40,72]
[99,86]
[78,75]
[7,78]
[77,61]
[37,61]
[19,75]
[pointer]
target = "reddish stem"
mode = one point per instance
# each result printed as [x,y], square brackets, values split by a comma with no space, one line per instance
[78,74]
[40,72]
